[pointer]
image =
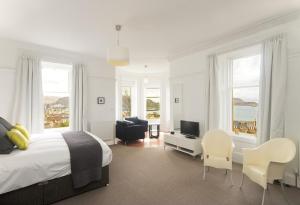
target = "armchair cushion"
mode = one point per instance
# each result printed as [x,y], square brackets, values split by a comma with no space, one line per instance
[124,123]
[135,120]
[138,121]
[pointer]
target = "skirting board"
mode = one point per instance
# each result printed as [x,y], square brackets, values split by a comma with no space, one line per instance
[109,142]
[290,179]
[237,157]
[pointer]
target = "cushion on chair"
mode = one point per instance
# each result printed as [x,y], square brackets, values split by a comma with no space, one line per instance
[125,123]
[135,120]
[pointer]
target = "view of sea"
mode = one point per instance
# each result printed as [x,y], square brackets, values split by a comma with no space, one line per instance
[245,113]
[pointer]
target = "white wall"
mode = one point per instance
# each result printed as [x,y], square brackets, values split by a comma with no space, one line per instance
[157,79]
[192,101]
[191,71]
[101,81]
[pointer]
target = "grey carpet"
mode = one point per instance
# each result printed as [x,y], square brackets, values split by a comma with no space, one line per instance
[149,176]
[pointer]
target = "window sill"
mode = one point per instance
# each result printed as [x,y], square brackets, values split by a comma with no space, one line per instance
[244,139]
[51,130]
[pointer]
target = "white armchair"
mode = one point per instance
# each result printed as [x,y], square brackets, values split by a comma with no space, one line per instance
[217,151]
[267,162]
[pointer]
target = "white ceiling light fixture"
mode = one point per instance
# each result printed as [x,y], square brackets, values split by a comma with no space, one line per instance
[118,56]
[146,80]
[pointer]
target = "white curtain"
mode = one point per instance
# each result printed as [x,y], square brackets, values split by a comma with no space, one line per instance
[220,95]
[213,96]
[272,89]
[28,101]
[78,98]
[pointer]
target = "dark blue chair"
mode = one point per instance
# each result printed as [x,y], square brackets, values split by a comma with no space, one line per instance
[138,121]
[128,131]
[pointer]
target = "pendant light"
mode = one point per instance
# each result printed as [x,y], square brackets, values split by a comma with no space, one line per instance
[118,56]
[146,80]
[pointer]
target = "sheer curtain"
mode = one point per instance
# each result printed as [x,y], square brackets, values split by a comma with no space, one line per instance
[28,101]
[79,98]
[272,89]
[213,93]
[220,93]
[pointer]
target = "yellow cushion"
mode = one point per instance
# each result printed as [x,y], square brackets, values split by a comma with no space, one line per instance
[18,138]
[23,130]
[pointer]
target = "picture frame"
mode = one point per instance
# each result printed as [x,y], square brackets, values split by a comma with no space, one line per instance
[176,100]
[101,100]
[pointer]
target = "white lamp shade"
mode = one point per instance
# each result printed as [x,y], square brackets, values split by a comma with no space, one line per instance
[118,56]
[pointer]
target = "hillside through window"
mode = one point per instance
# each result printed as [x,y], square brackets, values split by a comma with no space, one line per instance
[152,104]
[245,92]
[56,93]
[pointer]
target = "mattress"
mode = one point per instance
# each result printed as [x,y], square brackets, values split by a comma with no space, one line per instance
[46,158]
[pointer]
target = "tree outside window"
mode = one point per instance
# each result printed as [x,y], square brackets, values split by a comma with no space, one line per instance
[126,102]
[152,103]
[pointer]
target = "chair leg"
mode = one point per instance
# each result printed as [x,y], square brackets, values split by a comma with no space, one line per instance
[242,182]
[283,192]
[226,171]
[231,178]
[263,198]
[204,172]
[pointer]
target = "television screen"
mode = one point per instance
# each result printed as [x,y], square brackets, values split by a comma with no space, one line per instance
[189,128]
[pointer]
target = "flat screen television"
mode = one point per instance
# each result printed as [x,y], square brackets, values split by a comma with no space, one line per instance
[189,128]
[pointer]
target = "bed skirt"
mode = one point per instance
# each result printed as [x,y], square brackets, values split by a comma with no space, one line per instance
[51,191]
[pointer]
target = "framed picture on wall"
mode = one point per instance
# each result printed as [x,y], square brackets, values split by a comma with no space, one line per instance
[101,100]
[176,100]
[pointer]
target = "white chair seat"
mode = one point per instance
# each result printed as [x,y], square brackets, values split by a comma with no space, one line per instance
[257,174]
[267,162]
[218,162]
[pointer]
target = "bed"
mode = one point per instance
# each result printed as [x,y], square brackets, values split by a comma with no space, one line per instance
[42,173]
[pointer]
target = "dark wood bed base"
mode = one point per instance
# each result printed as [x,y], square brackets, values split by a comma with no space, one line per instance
[50,191]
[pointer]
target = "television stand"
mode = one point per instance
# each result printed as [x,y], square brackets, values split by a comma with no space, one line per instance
[182,143]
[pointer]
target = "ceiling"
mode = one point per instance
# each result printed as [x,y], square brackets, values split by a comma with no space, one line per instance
[152,29]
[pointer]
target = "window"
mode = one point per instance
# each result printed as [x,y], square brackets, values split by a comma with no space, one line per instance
[56,93]
[126,101]
[152,104]
[245,94]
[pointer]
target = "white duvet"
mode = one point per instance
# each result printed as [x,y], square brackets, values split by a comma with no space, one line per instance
[47,157]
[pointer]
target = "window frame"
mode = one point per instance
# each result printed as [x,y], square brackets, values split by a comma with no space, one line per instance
[134,101]
[145,103]
[62,66]
[131,103]
[244,53]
